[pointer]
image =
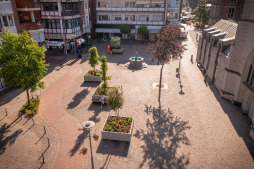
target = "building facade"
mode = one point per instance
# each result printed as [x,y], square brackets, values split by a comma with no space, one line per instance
[65,21]
[27,15]
[110,14]
[225,9]
[227,56]
[6,16]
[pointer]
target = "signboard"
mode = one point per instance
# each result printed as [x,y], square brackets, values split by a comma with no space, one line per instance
[55,43]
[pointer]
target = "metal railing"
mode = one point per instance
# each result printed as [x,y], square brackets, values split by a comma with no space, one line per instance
[70,12]
[127,9]
[132,22]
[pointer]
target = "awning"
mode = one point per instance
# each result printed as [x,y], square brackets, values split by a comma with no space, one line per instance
[155,31]
[110,30]
[143,2]
[55,43]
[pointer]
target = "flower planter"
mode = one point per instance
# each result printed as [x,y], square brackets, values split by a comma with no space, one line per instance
[120,136]
[92,78]
[118,51]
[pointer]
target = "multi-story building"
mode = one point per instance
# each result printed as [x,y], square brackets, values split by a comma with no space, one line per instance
[6,22]
[6,16]
[226,52]
[64,21]
[225,9]
[110,14]
[27,15]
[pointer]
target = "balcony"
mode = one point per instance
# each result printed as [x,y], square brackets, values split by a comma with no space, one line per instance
[70,12]
[108,9]
[31,26]
[132,22]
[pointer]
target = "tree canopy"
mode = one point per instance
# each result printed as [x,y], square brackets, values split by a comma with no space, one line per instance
[93,57]
[115,42]
[201,12]
[125,29]
[143,30]
[22,61]
[115,98]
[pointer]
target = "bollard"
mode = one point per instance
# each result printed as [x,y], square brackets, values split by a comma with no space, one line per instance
[48,143]
[6,114]
[42,158]
[44,129]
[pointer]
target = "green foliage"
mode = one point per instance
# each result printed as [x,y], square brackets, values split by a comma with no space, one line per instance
[100,91]
[201,12]
[115,42]
[93,57]
[115,98]
[104,69]
[118,124]
[187,5]
[125,29]
[143,30]
[94,73]
[22,61]
[31,110]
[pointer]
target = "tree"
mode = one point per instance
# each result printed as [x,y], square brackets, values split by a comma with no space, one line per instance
[22,61]
[201,12]
[93,58]
[143,31]
[125,29]
[187,5]
[115,99]
[168,47]
[115,42]
[104,68]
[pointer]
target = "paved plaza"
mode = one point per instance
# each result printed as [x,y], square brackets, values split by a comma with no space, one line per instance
[187,125]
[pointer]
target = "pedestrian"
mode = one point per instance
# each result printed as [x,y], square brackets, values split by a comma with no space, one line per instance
[108,48]
[102,99]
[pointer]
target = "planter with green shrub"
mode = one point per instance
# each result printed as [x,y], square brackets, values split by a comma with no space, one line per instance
[93,75]
[31,110]
[116,45]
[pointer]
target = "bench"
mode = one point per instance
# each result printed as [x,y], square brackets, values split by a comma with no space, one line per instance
[98,100]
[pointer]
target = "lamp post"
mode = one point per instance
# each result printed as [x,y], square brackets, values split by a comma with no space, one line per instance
[75,47]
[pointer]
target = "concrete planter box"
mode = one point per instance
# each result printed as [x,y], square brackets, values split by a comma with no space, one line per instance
[109,135]
[92,78]
[118,51]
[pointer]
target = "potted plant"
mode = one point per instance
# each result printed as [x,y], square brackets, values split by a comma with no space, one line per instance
[116,45]
[96,137]
[117,127]
[93,75]
[83,151]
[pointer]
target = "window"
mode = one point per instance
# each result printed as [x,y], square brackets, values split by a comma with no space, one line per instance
[118,18]
[147,19]
[99,4]
[176,15]
[231,12]
[103,17]
[129,4]
[102,4]
[10,20]
[5,21]
[49,6]
[51,23]
[130,18]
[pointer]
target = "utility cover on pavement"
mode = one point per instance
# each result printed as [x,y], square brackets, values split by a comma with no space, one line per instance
[163,85]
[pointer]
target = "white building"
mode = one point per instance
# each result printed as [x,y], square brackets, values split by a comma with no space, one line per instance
[6,16]
[110,14]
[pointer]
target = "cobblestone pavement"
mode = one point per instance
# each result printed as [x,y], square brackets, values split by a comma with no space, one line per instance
[187,126]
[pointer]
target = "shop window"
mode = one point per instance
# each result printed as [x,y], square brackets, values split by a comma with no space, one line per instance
[231,12]
[5,21]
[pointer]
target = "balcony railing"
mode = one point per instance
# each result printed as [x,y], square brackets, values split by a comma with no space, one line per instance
[70,12]
[31,26]
[130,9]
[132,22]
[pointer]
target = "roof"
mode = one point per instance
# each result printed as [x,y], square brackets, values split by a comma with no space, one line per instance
[227,26]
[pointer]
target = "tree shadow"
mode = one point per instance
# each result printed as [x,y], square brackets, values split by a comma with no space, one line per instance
[163,136]
[78,98]
[7,140]
[111,147]
[178,75]
[10,95]
[79,142]
[96,108]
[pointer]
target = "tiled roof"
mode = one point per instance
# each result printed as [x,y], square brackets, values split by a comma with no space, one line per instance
[227,26]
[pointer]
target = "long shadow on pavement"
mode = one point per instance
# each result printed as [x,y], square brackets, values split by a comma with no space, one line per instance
[79,142]
[163,136]
[239,121]
[76,100]
[96,108]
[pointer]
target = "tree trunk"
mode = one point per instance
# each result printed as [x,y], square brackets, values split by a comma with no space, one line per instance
[159,99]
[94,70]
[28,98]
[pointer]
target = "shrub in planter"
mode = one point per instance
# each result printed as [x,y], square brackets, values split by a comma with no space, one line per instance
[115,42]
[92,73]
[93,58]
[31,110]
[96,137]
